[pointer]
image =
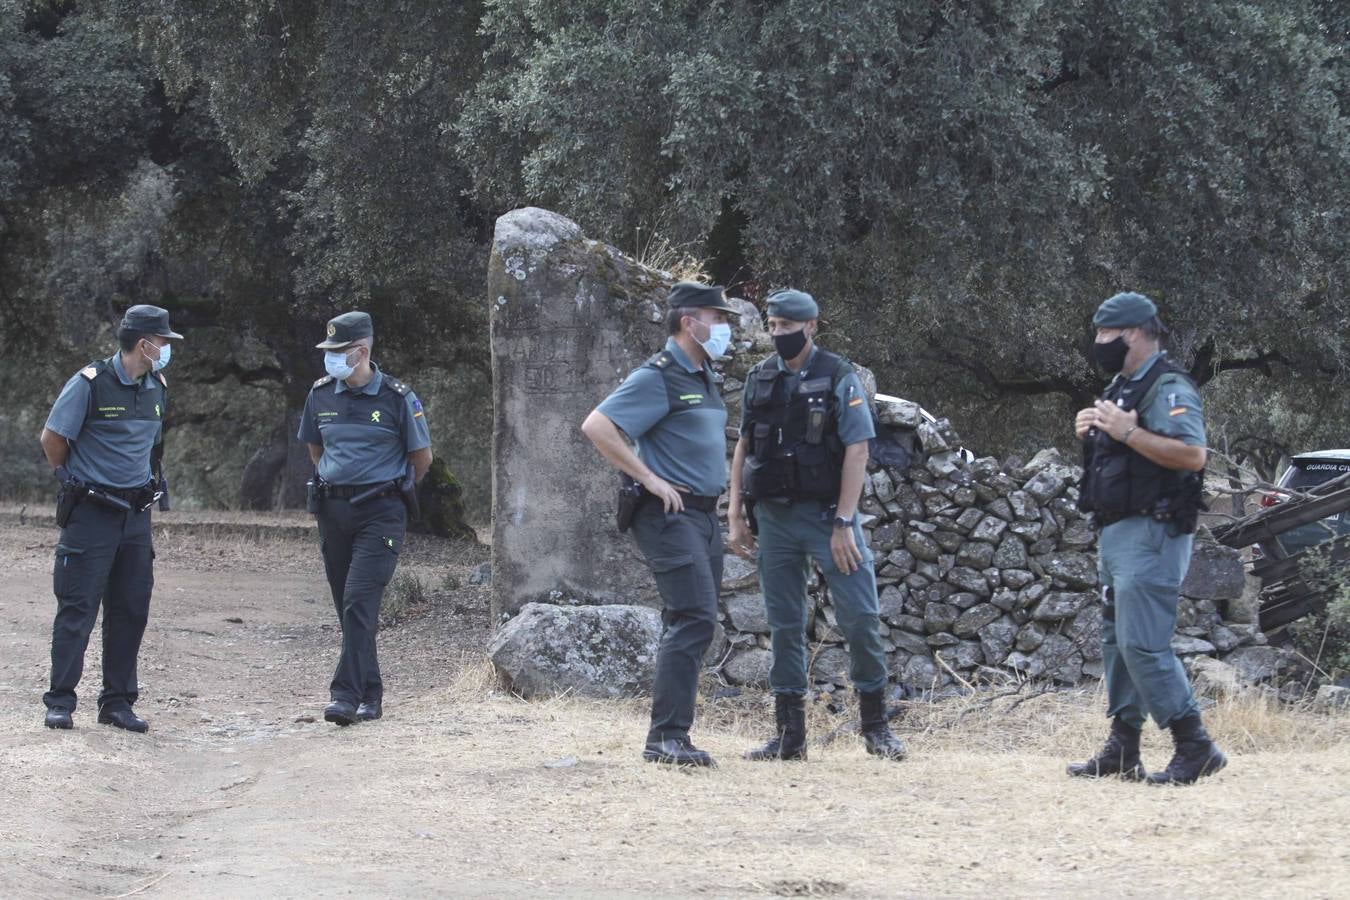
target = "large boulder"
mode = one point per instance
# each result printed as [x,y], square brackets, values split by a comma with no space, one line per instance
[590,651]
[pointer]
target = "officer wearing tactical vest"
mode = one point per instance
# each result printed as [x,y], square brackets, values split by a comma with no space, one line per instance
[801,460]
[672,408]
[366,434]
[1144,447]
[103,438]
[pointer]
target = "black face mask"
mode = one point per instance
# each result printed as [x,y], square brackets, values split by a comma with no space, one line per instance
[790,346]
[1111,355]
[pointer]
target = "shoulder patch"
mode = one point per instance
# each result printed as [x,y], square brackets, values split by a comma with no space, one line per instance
[89,372]
[396,385]
[661,360]
[322,381]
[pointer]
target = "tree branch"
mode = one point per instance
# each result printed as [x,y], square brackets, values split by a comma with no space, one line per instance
[1205,366]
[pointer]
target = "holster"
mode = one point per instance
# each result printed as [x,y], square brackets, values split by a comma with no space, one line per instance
[631,494]
[407,492]
[312,494]
[67,498]
[748,504]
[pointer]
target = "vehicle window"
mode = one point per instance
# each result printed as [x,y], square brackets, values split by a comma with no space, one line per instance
[1314,473]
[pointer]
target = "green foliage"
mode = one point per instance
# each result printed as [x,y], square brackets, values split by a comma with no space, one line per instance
[960,184]
[972,178]
[1324,637]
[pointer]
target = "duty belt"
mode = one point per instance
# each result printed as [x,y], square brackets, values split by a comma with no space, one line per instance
[131,495]
[702,504]
[348,491]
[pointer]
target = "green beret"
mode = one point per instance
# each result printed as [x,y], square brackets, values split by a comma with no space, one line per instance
[691,294]
[798,306]
[1124,311]
[346,328]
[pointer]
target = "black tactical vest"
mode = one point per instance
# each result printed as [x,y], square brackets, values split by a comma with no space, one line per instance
[1119,483]
[793,448]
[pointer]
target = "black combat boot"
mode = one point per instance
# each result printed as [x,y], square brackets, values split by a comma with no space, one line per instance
[789,740]
[875,731]
[677,752]
[1196,755]
[1119,756]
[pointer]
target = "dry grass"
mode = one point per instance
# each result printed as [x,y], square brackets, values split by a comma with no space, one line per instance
[981,807]
[465,790]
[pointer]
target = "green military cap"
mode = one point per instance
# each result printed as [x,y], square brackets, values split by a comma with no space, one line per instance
[149,320]
[798,306]
[346,328]
[1124,311]
[685,294]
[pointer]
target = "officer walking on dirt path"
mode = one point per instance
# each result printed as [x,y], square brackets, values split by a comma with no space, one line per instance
[369,442]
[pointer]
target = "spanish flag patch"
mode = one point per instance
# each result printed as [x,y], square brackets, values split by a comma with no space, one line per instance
[1176,411]
[856,401]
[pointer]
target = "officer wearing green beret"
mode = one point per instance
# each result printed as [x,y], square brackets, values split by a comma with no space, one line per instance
[104,438]
[801,458]
[1144,447]
[671,407]
[364,429]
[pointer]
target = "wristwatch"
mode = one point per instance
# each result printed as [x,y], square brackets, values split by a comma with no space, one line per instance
[841,522]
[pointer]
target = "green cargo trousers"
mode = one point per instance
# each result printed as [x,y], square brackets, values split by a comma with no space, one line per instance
[1141,566]
[791,535]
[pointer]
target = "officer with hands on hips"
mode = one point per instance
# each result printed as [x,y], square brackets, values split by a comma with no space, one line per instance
[801,459]
[671,407]
[104,439]
[364,430]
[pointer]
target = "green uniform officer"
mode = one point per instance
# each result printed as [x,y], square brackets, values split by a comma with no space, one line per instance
[103,432]
[1144,447]
[364,428]
[801,459]
[672,409]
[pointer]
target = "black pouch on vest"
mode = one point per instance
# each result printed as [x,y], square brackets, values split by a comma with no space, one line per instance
[630,497]
[66,500]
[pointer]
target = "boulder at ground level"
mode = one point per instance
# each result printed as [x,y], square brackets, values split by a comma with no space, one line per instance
[590,651]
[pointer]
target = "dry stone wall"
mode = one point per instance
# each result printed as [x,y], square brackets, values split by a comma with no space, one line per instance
[986,570]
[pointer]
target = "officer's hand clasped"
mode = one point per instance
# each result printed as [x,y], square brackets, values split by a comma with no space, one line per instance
[1111,419]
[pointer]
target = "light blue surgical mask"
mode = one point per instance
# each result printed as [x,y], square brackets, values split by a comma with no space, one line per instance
[335,364]
[719,339]
[164,353]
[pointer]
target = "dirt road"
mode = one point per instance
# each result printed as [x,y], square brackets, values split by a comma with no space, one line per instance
[240,788]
